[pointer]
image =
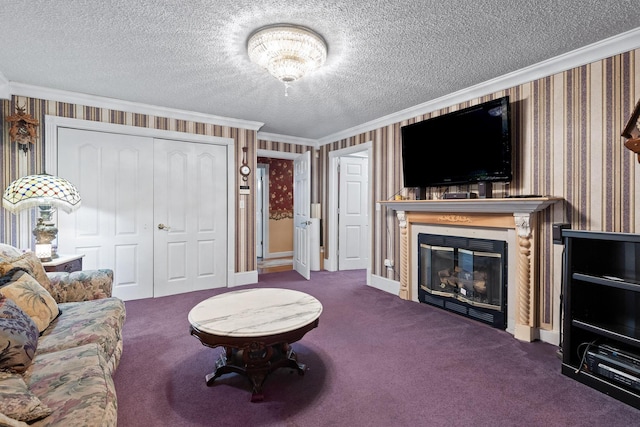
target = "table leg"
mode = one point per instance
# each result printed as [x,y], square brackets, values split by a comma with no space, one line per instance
[291,360]
[222,368]
[255,365]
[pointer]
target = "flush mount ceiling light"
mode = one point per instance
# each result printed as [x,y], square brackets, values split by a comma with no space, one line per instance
[287,51]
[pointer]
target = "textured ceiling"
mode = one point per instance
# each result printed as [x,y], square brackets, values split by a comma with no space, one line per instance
[384,56]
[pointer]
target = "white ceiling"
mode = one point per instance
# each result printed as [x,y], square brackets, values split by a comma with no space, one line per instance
[384,56]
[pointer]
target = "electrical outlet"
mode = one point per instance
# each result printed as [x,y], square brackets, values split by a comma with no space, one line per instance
[388,263]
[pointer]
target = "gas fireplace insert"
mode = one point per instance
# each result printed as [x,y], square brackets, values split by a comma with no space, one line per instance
[464,275]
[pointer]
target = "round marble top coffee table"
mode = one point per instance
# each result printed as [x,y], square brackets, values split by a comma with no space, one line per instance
[256,328]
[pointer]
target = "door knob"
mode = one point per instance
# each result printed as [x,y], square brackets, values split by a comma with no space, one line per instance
[163,227]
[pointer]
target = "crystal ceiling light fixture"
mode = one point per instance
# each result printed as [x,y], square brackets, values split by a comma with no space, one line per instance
[287,52]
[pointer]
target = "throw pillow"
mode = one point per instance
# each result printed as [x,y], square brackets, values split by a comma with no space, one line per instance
[32,298]
[17,401]
[31,263]
[18,337]
[8,251]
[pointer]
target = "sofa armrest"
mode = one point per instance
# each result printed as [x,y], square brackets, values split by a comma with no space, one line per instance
[83,285]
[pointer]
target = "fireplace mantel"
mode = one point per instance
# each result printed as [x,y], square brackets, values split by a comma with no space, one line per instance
[505,213]
[509,205]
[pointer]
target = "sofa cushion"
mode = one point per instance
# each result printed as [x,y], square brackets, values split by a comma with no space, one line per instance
[98,321]
[85,285]
[76,385]
[17,401]
[32,298]
[18,337]
[30,262]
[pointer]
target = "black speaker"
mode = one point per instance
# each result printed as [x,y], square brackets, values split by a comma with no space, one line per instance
[485,190]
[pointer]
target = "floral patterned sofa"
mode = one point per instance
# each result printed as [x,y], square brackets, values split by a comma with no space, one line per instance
[60,343]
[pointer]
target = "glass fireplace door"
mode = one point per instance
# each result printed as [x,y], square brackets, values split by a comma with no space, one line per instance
[464,275]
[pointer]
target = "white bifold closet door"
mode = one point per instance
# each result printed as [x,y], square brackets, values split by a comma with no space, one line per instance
[153,210]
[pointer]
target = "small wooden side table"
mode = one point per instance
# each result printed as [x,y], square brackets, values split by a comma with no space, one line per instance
[64,263]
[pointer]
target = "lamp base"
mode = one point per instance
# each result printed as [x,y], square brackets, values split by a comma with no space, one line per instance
[45,233]
[43,251]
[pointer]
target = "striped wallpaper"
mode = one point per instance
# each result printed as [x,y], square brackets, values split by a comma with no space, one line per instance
[567,139]
[15,163]
[567,144]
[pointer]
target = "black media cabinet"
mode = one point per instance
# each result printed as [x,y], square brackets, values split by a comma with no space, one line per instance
[601,301]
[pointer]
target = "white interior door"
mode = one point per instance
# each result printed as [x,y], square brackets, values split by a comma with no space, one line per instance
[190,209]
[260,208]
[302,214]
[353,218]
[114,226]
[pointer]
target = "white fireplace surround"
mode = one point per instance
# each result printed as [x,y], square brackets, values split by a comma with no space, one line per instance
[512,220]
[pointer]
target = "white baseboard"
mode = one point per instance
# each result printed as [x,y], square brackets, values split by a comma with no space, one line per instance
[550,337]
[245,278]
[330,264]
[384,284]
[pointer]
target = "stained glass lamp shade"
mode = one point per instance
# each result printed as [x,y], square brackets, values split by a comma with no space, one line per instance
[41,190]
[47,192]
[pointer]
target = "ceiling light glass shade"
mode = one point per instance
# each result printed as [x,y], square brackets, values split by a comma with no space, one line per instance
[288,52]
[39,190]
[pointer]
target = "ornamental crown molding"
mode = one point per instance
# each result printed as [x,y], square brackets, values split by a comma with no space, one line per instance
[21,89]
[615,45]
[275,137]
[606,48]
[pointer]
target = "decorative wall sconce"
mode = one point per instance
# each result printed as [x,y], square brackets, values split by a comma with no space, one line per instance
[23,128]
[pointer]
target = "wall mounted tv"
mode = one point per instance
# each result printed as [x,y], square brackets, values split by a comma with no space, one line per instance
[463,147]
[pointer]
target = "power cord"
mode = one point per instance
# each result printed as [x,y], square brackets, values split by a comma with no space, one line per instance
[395,194]
[584,354]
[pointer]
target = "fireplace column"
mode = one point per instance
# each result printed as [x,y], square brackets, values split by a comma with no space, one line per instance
[525,327]
[405,262]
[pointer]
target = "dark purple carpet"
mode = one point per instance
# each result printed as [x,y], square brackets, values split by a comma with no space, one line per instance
[374,360]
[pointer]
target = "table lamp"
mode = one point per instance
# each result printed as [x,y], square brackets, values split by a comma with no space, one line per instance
[47,192]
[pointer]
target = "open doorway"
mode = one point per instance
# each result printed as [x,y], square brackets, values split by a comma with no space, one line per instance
[274,212]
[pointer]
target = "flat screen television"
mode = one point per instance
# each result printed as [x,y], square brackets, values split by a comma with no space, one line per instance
[462,147]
